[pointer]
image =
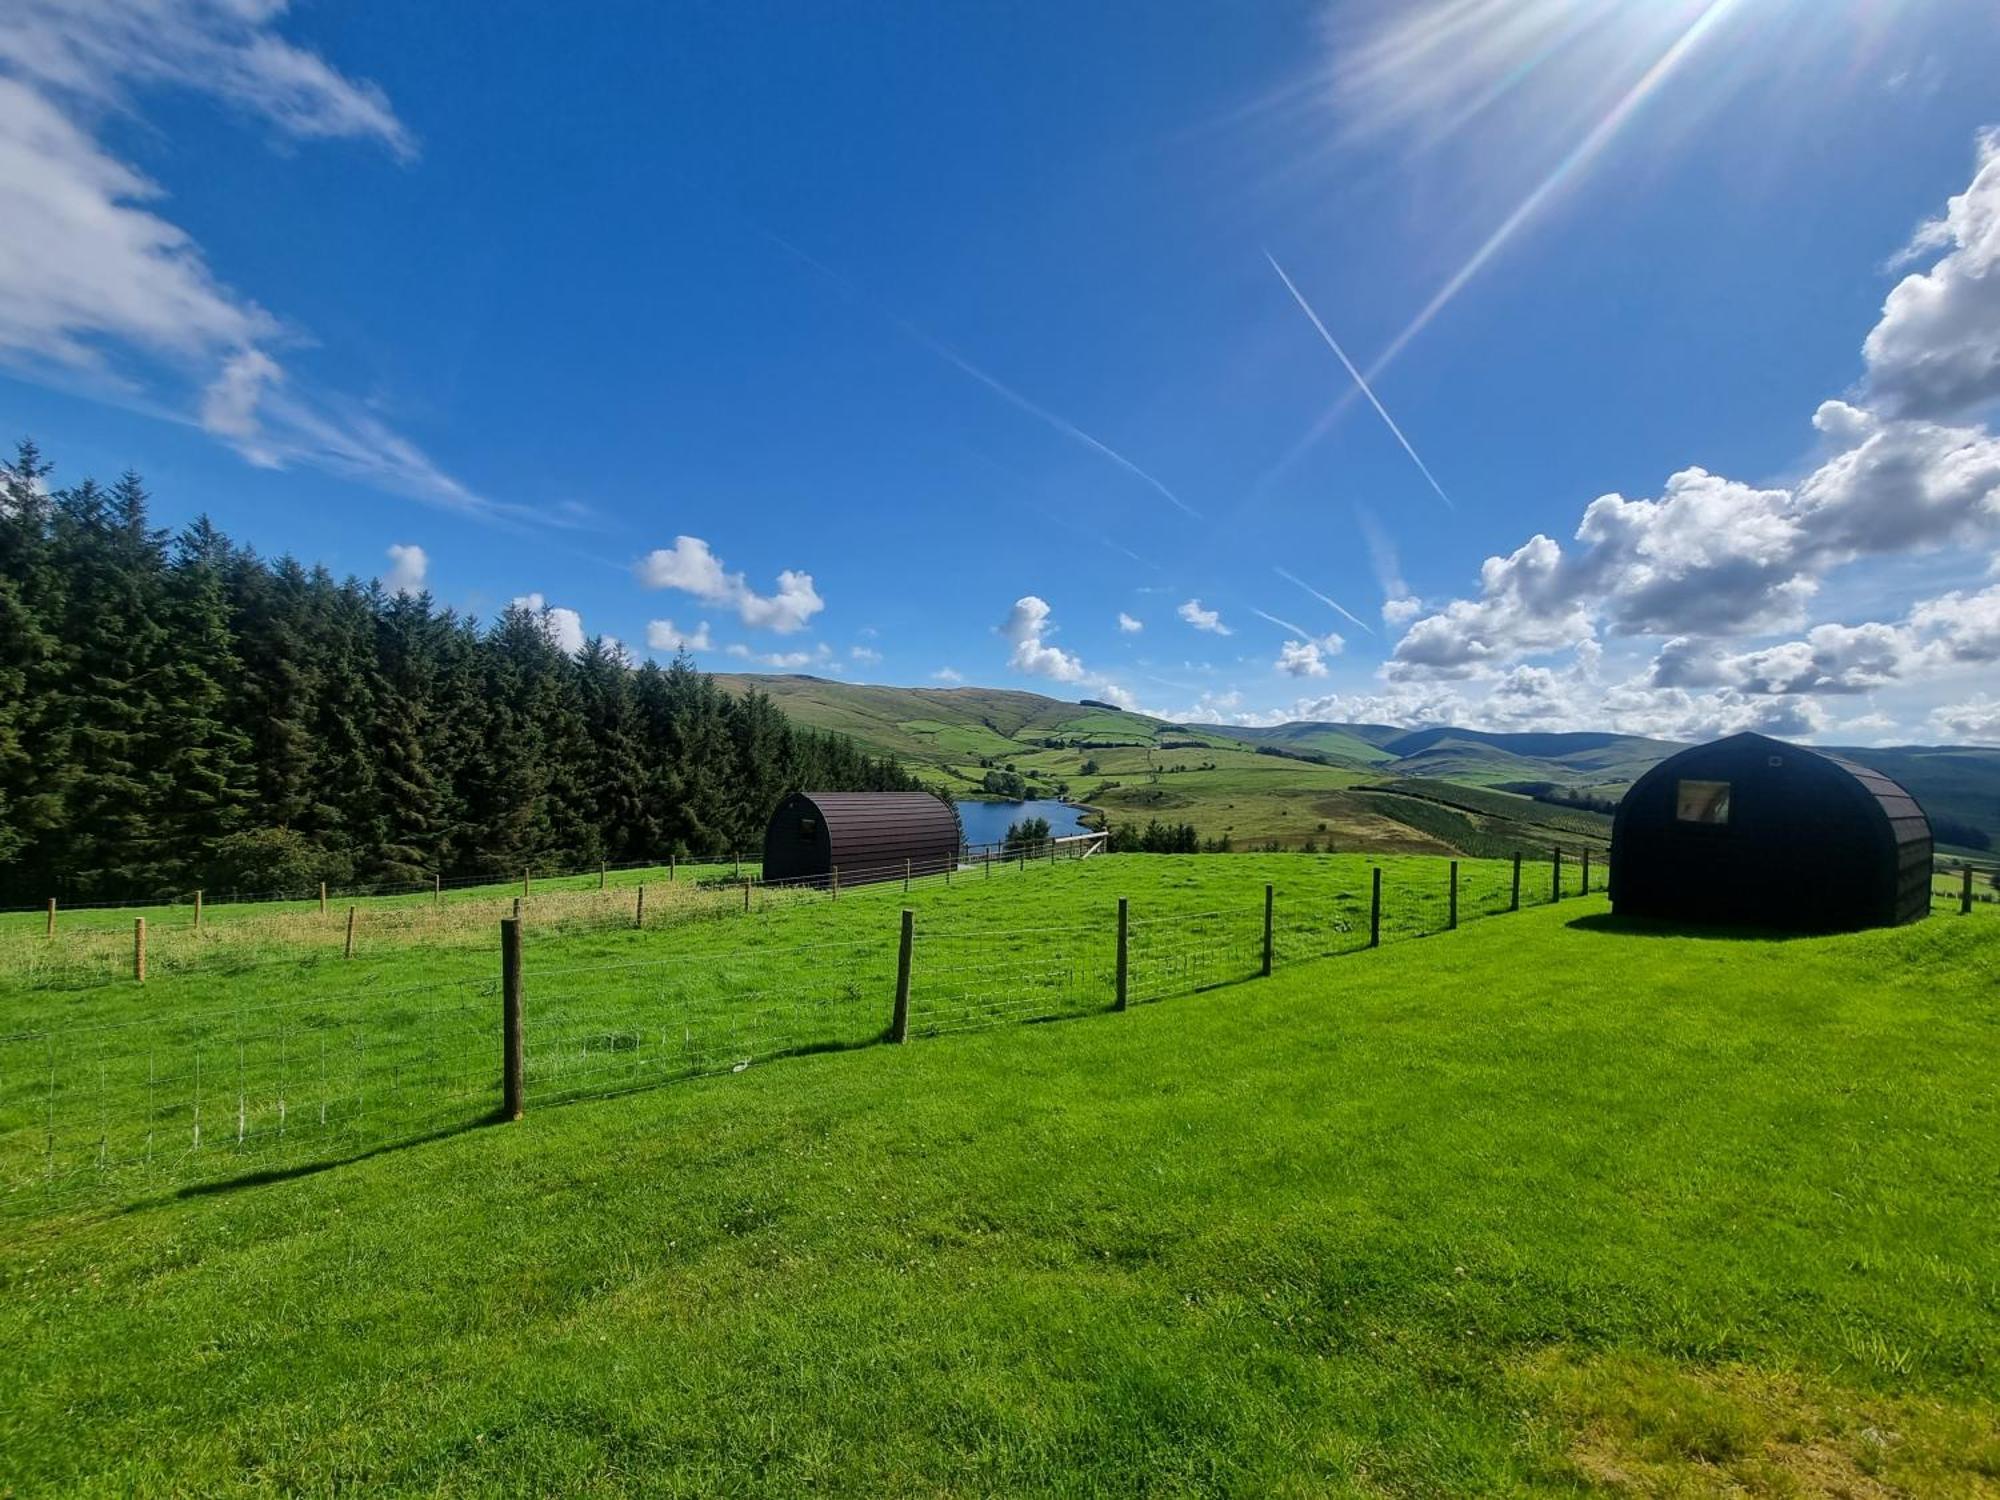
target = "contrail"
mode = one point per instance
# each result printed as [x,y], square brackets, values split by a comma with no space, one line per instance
[1329,603]
[1006,392]
[1340,353]
[1592,144]
[1298,630]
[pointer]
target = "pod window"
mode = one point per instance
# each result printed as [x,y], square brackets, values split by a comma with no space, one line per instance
[808,830]
[1703,802]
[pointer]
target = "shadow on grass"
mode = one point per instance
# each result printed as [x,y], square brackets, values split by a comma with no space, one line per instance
[1661,927]
[294,1170]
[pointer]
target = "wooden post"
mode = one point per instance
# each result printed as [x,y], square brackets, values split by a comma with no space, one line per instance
[1556,873]
[670,867]
[1269,898]
[906,877]
[1964,891]
[1586,872]
[437,890]
[746,895]
[197,911]
[52,918]
[517,908]
[513,1066]
[1451,916]
[1124,951]
[139,949]
[348,952]
[738,857]
[899,1023]
[322,898]
[1515,904]
[1375,911]
[639,907]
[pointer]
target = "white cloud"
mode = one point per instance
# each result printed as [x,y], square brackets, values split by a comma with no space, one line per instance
[1300,659]
[948,675]
[1402,610]
[564,626]
[1129,626]
[692,568]
[1028,626]
[98,289]
[1936,350]
[409,566]
[1974,721]
[664,635]
[867,655]
[820,655]
[1202,619]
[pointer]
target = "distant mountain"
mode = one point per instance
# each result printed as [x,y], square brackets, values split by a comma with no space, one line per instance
[1288,781]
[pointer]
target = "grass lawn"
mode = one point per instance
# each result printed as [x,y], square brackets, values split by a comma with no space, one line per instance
[1541,1206]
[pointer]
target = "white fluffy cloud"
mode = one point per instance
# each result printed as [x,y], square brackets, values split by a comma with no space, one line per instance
[692,568]
[1936,350]
[820,655]
[1976,720]
[867,655]
[1129,626]
[1402,609]
[948,675]
[409,566]
[1028,626]
[564,626]
[1202,619]
[1300,659]
[1713,558]
[664,635]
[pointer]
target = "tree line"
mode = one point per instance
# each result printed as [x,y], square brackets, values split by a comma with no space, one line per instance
[176,711]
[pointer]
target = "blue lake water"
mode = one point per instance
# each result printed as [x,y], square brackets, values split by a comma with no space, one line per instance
[986,822]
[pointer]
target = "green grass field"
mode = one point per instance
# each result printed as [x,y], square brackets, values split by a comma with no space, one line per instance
[1545,1205]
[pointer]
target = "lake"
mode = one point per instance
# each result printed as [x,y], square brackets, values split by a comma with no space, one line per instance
[986,822]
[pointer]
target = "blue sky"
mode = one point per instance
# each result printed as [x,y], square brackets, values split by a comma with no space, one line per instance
[922,343]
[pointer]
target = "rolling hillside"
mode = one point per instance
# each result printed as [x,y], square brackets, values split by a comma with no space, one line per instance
[1328,783]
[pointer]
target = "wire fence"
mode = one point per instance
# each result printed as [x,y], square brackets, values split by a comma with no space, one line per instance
[196,1096]
[64,954]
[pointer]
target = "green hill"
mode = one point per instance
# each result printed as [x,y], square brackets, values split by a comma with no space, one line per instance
[1294,782]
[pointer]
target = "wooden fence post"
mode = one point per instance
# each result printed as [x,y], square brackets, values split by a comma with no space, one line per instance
[906,877]
[1270,897]
[1124,951]
[527,883]
[1965,890]
[517,908]
[833,885]
[437,890]
[322,898]
[52,918]
[1375,911]
[639,907]
[1586,872]
[1556,873]
[1451,919]
[513,1064]
[738,857]
[899,1023]
[746,895]
[670,866]
[197,911]
[348,951]
[139,949]
[1515,904]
